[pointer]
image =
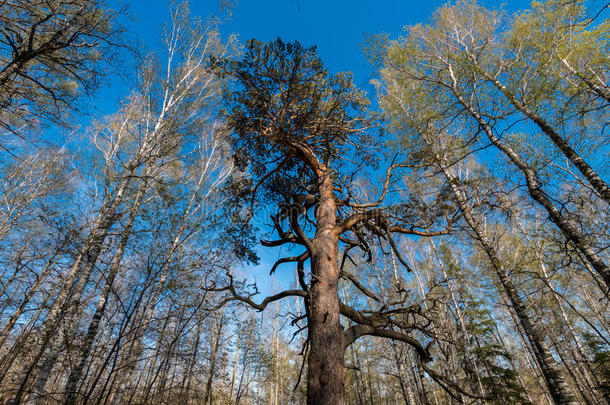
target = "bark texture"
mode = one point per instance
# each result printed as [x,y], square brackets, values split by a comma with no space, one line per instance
[555,382]
[325,379]
[534,188]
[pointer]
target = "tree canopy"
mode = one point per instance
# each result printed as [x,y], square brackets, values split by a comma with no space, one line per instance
[249,226]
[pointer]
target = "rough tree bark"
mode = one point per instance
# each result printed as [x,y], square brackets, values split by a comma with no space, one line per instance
[325,364]
[294,125]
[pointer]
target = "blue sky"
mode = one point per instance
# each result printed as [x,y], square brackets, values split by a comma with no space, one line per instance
[336,27]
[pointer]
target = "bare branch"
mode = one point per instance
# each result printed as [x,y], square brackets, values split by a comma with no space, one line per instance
[235,296]
[353,333]
[363,289]
[302,257]
[384,192]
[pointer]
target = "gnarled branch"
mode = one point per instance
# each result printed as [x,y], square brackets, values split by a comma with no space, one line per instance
[350,335]
[301,258]
[235,296]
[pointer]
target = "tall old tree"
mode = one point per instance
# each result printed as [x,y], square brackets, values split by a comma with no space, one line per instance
[301,135]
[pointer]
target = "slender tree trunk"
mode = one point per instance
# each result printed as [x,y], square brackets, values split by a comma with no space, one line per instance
[555,382]
[407,395]
[535,190]
[6,330]
[600,88]
[462,325]
[234,370]
[587,171]
[160,373]
[134,353]
[532,358]
[369,382]
[512,363]
[357,373]
[325,379]
[582,362]
[68,299]
[208,397]
[571,371]
[7,284]
[76,374]
[9,358]
[424,396]
[113,355]
[57,340]
[188,372]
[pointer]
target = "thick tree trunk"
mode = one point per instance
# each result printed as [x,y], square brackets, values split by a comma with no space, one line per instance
[326,373]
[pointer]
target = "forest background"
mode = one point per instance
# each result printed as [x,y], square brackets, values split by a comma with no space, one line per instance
[188,216]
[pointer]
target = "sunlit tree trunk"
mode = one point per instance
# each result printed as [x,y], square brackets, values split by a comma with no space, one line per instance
[534,188]
[76,373]
[555,382]
[325,376]
[587,171]
[68,299]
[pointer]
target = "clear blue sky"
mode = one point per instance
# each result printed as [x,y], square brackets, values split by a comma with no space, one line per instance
[336,27]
